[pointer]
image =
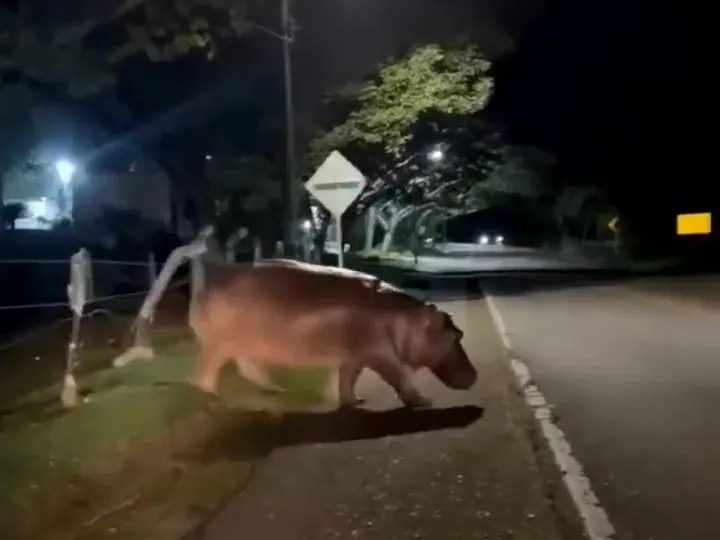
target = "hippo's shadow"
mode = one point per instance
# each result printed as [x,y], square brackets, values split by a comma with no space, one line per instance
[357,424]
[253,434]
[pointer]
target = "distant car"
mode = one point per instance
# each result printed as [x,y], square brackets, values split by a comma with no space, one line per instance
[491,239]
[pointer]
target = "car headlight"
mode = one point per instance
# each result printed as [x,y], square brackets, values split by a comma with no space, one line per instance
[484,239]
[500,240]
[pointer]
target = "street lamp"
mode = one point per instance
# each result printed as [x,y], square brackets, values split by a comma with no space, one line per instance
[66,170]
[436,155]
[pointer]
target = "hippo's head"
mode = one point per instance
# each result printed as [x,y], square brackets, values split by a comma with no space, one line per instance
[443,352]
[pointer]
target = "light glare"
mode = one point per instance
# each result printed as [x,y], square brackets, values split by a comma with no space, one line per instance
[436,155]
[66,170]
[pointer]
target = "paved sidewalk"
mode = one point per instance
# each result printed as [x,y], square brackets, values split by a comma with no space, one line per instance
[470,468]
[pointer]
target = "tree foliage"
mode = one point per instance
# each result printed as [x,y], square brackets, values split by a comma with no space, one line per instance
[430,101]
[246,193]
[577,208]
[99,59]
[385,109]
[69,46]
[470,150]
[10,213]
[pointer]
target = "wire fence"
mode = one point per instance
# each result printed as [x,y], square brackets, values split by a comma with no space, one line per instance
[29,334]
[66,261]
[84,296]
[65,304]
[16,317]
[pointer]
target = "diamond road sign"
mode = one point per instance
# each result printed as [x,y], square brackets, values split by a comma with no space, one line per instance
[336,184]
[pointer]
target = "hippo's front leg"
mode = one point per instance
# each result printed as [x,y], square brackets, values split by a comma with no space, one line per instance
[400,377]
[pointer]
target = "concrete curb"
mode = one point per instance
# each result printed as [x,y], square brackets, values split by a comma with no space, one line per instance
[595,520]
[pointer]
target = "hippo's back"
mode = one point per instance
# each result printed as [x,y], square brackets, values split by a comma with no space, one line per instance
[286,313]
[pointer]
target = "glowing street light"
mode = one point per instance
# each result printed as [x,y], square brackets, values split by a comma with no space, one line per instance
[436,155]
[66,170]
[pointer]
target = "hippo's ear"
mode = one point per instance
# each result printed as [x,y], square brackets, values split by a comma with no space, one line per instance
[439,320]
[433,317]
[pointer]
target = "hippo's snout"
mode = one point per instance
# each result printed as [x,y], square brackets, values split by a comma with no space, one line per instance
[464,380]
[458,374]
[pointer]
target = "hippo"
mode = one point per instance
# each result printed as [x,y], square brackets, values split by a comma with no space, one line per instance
[290,314]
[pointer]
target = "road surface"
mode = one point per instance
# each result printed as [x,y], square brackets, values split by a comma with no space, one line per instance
[633,371]
[470,468]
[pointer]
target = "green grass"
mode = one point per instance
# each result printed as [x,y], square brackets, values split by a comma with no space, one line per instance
[48,455]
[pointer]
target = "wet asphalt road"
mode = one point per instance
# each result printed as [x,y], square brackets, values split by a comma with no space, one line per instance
[633,371]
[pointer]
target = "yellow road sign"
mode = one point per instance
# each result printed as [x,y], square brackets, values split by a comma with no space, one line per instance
[613,225]
[689,224]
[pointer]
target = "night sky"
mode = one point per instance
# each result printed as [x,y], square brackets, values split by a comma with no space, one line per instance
[615,88]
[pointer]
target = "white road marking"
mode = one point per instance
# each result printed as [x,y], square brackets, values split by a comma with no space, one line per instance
[595,519]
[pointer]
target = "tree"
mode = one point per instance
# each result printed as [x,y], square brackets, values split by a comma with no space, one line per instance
[522,171]
[578,209]
[385,109]
[83,56]
[247,193]
[389,123]
[420,185]
[10,213]
[63,47]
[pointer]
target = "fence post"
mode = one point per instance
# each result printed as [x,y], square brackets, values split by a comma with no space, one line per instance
[279,249]
[141,348]
[257,250]
[307,248]
[152,269]
[79,290]
[232,242]
[197,278]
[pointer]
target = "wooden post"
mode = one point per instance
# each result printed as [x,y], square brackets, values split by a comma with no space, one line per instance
[232,243]
[152,270]
[197,278]
[141,349]
[307,247]
[78,291]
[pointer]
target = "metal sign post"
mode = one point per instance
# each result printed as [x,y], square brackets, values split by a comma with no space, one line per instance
[341,251]
[336,185]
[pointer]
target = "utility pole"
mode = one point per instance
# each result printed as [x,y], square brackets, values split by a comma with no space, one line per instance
[291,192]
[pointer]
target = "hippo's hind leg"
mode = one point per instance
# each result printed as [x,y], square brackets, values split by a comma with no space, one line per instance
[208,370]
[400,377]
[256,375]
[347,377]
